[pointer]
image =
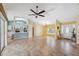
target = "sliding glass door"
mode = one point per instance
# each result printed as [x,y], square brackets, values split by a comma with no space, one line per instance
[2,34]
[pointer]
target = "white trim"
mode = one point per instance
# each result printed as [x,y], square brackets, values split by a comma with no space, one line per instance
[5,24]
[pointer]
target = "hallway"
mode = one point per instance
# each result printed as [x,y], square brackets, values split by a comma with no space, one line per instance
[41,46]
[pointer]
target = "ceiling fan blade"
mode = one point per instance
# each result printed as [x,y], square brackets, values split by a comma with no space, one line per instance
[33,11]
[42,15]
[31,14]
[41,11]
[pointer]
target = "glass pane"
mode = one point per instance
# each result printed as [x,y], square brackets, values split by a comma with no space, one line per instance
[2,34]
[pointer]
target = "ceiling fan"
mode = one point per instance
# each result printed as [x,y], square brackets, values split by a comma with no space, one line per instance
[36,13]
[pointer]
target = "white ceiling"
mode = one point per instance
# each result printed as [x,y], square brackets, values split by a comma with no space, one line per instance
[54,11]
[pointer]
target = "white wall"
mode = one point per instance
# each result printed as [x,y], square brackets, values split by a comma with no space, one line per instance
[30,31]
[38,30]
